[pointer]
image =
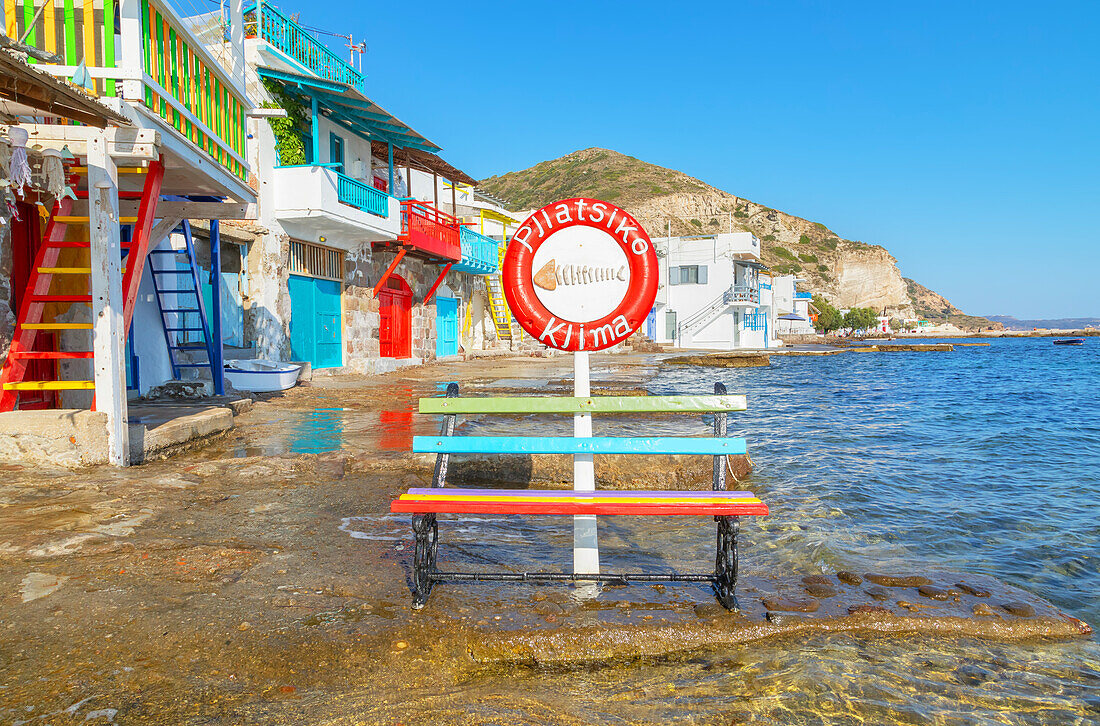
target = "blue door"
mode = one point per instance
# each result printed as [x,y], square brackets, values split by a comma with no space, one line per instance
[315,332]
[446,326]
[651,324]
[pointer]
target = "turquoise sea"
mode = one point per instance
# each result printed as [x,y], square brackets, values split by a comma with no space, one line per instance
[984,459]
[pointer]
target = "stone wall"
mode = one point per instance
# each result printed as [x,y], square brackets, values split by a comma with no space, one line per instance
[267,305]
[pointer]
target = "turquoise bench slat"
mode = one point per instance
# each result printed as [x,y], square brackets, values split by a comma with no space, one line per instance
[590,404]
[568,445]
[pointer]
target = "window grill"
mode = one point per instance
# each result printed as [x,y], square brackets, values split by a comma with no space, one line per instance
[316,261]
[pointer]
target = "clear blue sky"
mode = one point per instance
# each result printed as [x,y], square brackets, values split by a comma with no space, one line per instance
[962,136]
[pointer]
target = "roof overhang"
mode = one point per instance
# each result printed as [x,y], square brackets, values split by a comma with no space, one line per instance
[26,91]
[347,106]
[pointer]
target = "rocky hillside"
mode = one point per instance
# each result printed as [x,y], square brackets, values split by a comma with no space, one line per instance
[847,272]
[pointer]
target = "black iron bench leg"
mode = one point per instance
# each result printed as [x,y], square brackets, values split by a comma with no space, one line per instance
[426,530]
[725,562]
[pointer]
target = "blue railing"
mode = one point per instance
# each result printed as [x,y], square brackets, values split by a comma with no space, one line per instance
[360,195]
[479,253]
[756,321]
[312,54]
[803,296]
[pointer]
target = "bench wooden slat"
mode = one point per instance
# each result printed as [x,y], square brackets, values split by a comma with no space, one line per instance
[570,445]
[593,404]
[542,493]
[484,501]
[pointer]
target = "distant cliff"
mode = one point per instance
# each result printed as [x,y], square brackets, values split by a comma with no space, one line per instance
[848,273]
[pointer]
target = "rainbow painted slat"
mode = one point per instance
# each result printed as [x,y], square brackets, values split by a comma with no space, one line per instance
[568,445]
[568,502]
[593,404]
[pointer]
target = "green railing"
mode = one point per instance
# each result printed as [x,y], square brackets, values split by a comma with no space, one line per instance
[190,92]
[179,79]
[355,193]
[310,53]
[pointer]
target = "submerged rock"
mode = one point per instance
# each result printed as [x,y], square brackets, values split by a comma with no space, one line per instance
[933,592]
[972,675]
[822,591]
[1019,609]
[897,580]
[854,609]
[792,605]
[849,578]
[972,589]
[815,580]
[878,593]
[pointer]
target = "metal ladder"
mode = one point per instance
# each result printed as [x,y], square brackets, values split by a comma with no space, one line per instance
[498,306]
[181,282]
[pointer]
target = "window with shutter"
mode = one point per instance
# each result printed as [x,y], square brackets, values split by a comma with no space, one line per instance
[673,275]
[702,274]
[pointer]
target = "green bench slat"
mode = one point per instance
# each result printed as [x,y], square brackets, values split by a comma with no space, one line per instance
[568,445]
[592,404]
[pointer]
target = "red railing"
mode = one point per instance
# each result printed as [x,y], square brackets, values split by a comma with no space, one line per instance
[430,231]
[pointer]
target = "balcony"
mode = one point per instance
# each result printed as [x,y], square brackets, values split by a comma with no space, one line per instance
[317,200]
[741,295]
[150,57]
[479,253]
[803,296]
[429,233]
[304,50]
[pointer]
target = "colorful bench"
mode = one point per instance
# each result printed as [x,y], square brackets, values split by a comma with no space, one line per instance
[725,506]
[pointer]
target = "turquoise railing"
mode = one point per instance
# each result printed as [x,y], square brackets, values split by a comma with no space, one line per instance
[360,195]
[803,296]
[479,253]
[292,39]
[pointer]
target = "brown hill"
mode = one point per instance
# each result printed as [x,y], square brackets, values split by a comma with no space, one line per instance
[847,272]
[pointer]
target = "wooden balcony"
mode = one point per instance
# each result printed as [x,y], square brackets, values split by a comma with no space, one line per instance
[429,233]
[144,53]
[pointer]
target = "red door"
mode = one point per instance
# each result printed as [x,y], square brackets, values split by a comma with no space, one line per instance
[395,311]
[26,237]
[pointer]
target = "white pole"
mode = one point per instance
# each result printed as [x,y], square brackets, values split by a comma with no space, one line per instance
[586,551]
[131,63]
[236,39]
[108,334]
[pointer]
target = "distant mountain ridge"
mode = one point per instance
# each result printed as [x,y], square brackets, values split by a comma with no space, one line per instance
[847,272]
[1012,323]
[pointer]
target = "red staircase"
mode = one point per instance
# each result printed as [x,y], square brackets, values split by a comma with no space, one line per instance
[32,337]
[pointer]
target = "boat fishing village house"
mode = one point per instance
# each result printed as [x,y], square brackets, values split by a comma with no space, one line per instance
[374,252]
[714,293]
[95,192]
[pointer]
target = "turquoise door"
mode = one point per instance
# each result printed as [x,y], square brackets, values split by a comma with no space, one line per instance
[315,324]
[446,326]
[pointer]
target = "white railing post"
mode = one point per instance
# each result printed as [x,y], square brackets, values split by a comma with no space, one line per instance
[108,332]
[236,37]
[131,63]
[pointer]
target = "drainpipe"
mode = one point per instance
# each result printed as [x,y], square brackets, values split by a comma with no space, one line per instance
[315,128]
[389,147]
[217,365]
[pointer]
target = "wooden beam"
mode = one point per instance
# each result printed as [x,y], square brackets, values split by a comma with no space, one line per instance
[207,210]
[388,272]
[108,316]
[438,280]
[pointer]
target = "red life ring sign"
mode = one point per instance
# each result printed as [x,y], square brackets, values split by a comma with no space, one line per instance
[580,274]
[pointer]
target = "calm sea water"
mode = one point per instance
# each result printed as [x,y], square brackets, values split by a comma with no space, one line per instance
[984,459]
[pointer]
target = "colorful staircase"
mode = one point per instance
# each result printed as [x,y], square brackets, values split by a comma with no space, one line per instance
[498,306]
[179,298]
[61,277]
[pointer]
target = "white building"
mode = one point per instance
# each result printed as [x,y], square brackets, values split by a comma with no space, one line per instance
[712,294]
[790,302]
